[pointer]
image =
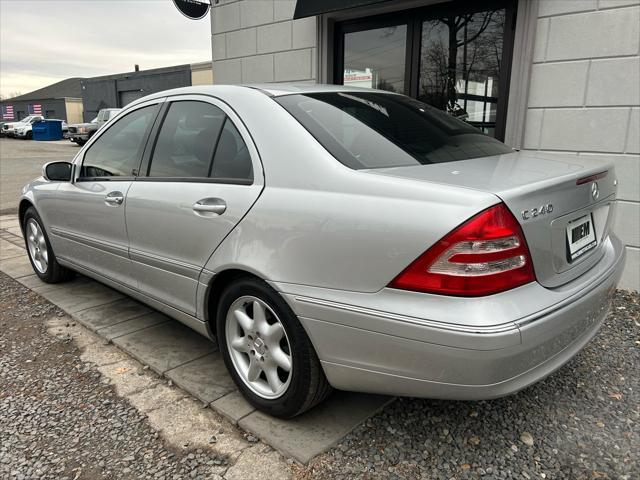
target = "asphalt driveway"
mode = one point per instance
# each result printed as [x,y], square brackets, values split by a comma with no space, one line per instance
[22,160]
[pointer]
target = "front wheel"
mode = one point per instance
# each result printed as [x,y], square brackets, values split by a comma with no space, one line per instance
[266,350]
[41,255]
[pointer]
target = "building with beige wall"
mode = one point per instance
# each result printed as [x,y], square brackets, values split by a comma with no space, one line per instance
[201,73]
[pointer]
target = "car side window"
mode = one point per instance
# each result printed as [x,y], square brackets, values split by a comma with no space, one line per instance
[117,152]
[186,141]
[232,159]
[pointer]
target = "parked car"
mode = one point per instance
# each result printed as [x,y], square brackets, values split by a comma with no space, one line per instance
[328,236]
[81,132]
[25,130]
[9,129]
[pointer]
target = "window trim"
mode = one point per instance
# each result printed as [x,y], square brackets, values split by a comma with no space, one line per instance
[158,103]
[224,181]
[215,147]
[145,166]
[413,19]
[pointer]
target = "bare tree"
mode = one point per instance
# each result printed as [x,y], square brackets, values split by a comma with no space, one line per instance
[455,24]
[474,40]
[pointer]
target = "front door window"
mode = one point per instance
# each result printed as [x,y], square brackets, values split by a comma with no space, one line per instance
[118,151]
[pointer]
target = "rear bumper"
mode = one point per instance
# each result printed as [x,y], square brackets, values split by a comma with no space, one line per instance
[373,351]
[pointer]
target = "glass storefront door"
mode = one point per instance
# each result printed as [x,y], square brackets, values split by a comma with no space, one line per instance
[376,58]
[460,57]
[455,56]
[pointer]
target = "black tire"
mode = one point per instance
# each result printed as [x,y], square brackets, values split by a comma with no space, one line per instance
[81,142]
[29,135]
[54,273]
[308,385]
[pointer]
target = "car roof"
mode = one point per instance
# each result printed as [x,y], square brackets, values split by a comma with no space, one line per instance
[279,89]
[269,89]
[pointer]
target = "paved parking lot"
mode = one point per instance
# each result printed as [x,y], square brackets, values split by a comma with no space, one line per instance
[583,422]
[22,160]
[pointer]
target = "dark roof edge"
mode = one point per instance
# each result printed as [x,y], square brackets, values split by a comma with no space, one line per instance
[67,88]
[151,71]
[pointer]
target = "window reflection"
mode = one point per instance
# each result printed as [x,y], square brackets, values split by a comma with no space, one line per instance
[118,151]
[376,58]
[186,140]
[460,62]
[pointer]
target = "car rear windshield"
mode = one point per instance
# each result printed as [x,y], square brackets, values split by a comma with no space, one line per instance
[377,130]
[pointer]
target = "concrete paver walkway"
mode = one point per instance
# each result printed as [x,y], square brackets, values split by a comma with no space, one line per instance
[191,361]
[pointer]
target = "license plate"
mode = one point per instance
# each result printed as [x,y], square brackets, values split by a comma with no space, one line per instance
[581,237]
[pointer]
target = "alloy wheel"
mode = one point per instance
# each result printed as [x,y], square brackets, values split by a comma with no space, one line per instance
[258,346]
[37,246]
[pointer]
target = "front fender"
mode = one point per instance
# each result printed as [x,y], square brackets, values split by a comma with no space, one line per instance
[41,194]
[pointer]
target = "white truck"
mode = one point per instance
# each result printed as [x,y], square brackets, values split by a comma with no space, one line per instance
[81,132]
[9,129]
[25,131]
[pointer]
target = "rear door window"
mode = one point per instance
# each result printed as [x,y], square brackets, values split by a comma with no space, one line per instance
[187,140]
[376,130]
[232,159]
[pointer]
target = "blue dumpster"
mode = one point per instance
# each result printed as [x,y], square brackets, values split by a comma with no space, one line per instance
[47,130]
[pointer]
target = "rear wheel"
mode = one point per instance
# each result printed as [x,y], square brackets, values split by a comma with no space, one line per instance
[266,350]
[41,255]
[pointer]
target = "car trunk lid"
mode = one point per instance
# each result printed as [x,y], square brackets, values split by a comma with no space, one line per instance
[564,203]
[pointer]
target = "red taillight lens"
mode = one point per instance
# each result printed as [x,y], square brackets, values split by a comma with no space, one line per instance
[487,254]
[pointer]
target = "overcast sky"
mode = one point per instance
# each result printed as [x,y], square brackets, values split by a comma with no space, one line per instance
[44,41]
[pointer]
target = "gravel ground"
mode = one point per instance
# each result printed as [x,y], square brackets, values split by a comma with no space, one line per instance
[580,423]
[58,420]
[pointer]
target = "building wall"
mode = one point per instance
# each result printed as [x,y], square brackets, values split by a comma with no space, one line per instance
[114,91]
[256,41]
[584,97]
[202,73]
[74,110]
[51,107]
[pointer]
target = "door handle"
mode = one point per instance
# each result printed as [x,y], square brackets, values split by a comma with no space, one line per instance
[213,206]
[114,199]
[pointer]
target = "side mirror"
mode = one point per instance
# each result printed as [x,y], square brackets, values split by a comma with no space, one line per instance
[57,171]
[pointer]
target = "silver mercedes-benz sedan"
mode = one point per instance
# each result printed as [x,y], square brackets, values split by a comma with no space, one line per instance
[328,236]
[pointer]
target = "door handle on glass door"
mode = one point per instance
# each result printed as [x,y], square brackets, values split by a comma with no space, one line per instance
[215,206]
[114,199]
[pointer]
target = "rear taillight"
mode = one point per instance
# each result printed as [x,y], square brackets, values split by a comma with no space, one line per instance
[485,255]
